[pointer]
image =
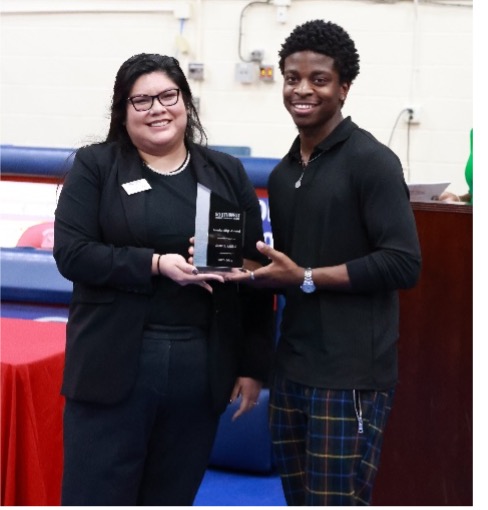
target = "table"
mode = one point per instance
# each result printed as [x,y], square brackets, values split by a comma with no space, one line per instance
[31,435]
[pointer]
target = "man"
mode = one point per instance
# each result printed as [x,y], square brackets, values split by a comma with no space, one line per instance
[345,242]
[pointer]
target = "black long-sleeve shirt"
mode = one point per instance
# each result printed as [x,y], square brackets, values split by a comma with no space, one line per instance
[352,208]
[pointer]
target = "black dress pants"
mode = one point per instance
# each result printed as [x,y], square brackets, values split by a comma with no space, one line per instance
[152,448]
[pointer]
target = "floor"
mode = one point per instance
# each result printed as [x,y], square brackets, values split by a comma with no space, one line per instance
[230,488]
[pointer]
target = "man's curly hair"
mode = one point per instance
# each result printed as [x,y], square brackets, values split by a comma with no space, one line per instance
[327,38]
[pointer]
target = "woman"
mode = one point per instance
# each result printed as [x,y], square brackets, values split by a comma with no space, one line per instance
[154,349]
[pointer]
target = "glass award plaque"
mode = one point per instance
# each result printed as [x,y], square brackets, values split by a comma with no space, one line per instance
[219,232]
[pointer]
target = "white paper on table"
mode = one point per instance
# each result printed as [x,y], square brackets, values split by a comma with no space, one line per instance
[426,192]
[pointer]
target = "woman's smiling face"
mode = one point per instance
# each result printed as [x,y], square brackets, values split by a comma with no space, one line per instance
[161,128]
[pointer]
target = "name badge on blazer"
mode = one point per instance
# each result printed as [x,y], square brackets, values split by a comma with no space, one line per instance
[136,186]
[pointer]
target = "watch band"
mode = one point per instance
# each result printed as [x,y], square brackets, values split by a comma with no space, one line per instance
[308,285]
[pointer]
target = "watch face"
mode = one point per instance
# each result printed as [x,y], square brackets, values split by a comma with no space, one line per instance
[308,287]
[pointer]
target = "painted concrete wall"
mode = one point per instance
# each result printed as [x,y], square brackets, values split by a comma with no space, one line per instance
[59,59]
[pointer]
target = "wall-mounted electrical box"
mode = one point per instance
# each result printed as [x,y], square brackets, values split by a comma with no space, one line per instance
[246,72]
[266,73]
[195,71]
[257,55]
[282,10]
[412,115]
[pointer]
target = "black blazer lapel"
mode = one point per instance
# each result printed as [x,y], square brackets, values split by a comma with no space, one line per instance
[209,173]
[203,174]
[128,168]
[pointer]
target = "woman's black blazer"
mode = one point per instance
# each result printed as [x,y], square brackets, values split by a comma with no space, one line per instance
[100,244]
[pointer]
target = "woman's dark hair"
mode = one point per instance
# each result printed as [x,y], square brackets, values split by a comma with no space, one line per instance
[326,38]
[129,72]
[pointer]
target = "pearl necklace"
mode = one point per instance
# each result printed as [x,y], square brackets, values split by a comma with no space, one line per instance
[304,166]
[174,172]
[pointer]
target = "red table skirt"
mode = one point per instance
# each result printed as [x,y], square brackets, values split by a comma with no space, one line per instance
[32,407]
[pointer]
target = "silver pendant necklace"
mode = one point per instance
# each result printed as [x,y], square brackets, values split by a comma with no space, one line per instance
[299,182]
[304,166]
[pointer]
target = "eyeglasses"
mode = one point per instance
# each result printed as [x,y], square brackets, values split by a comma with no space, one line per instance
[143,102]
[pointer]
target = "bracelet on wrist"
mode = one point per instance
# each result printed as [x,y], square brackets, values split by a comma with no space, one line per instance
[159,269]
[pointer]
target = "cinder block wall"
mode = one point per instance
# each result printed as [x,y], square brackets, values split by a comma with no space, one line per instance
[59,60]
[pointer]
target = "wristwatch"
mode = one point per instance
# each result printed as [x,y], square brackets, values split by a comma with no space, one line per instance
[308,286]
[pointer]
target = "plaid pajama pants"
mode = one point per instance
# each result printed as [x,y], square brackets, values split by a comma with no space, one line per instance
[327,443]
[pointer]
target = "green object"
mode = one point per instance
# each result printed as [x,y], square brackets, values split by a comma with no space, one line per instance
[469,169]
